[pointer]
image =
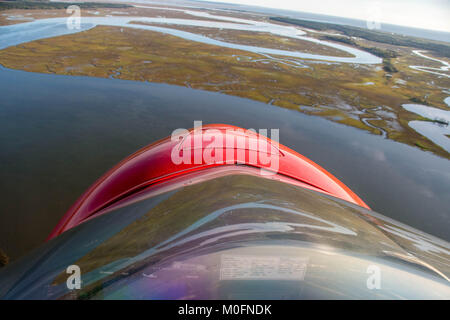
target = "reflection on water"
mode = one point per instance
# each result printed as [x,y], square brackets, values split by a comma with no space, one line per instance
[428,112]
[438,130]
[58,134]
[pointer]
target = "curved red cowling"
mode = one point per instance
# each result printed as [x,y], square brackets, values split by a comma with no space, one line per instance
[194,150]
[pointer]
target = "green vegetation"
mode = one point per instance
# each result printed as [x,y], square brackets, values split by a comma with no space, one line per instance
[421,146]
[417,100]
[386,54]
[345,40]
[382,53]
[8,5]
[438,48]
[388,66]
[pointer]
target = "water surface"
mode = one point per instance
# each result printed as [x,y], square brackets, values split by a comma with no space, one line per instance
[58,134]
[438,129]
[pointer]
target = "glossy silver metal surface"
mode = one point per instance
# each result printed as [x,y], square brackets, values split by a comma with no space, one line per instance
[236,236]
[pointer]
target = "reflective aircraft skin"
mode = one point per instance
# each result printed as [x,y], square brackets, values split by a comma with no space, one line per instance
[232,232]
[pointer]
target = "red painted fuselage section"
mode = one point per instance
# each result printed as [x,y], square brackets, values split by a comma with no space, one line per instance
[194,150]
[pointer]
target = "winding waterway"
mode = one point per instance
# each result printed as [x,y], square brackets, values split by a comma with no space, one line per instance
[44,28]
[434,70]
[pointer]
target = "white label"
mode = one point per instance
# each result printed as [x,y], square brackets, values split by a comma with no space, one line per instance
[240,267]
